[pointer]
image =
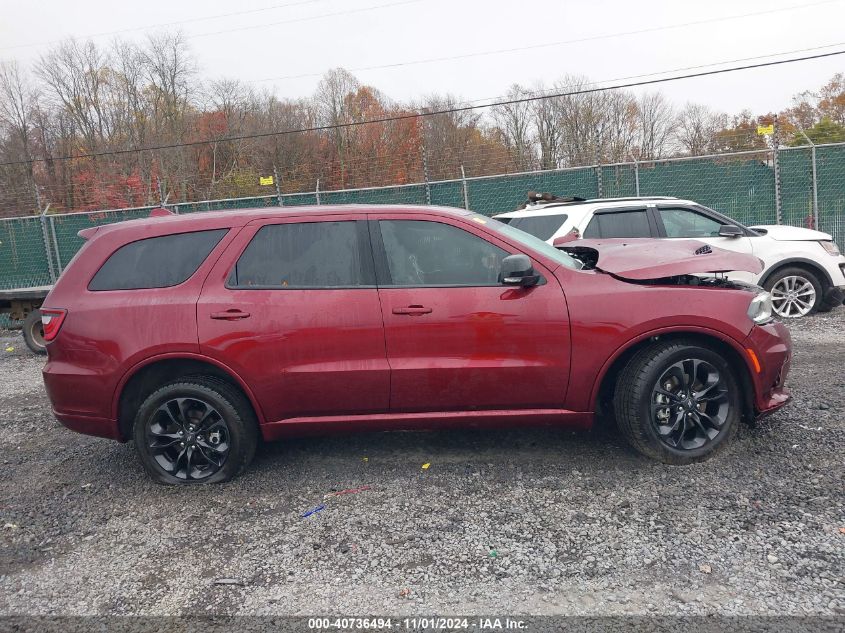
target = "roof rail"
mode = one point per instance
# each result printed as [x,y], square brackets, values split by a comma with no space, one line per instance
[535,198]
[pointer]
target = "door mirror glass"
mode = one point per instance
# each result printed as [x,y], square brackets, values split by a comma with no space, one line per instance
[517,270]
[729,230]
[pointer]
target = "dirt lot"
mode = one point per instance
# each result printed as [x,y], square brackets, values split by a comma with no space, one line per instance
[520,521]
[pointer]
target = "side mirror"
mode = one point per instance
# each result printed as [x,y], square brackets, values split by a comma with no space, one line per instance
[730,230]
[517,270]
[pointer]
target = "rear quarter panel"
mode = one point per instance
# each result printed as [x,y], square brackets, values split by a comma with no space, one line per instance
[106,333]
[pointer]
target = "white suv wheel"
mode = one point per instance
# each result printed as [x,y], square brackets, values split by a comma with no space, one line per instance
[793,296]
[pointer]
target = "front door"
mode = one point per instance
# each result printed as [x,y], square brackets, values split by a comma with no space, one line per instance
[685,223]
[456,338]
[292,307]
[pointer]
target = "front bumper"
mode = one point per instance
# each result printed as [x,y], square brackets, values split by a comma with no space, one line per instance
[772,345]
[834,296]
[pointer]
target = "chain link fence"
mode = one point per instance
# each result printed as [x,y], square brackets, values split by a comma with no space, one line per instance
[802,186]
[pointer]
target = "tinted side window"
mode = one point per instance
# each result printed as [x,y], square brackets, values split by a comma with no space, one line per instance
[156,262]
[542,226]
[303,255]
[421,253]
[620,224]
[686,223]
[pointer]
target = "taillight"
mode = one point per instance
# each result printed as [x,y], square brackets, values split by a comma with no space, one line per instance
[52,321]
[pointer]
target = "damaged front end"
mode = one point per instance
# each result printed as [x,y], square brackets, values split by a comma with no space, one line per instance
[666,263]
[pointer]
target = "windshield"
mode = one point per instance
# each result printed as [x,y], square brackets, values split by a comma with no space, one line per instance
[529,241]
[542,226]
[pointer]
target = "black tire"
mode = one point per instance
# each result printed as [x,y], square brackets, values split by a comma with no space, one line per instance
[239,431]
[804,275]
[635,395]
[33,332]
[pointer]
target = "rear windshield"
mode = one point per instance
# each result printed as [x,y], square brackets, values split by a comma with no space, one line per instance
[156,262]
[542,226]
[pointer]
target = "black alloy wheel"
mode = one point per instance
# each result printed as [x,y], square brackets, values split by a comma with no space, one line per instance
[188,438]
[678,401]
[198,429]
[689,404]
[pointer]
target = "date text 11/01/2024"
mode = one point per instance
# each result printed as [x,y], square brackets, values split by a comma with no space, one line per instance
[417,623]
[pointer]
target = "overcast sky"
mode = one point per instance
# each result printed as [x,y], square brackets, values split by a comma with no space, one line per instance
[306,37]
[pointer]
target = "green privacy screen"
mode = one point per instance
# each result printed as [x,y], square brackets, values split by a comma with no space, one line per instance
[741,186]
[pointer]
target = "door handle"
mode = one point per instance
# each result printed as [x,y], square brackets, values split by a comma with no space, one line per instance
[412,310]
[230,315]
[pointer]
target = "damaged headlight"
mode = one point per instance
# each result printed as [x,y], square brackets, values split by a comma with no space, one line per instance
[760,309]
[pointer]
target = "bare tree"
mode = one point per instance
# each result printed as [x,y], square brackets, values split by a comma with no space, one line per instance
[18,109]
[171,71]
[655,119]
[513,121]
[697,127]
[76,76]
[332,110]
[544,117]
[449,136]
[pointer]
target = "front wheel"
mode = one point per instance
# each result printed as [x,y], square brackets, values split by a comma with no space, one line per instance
[198,429]
[677,402]
[795,292]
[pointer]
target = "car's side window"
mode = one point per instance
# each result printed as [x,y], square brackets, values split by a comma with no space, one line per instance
[303,255]
[680,222]
[156,262]
[427,253]
[631,223]
[541,226]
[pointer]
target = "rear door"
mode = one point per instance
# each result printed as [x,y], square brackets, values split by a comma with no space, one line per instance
[456,338]
[292,307]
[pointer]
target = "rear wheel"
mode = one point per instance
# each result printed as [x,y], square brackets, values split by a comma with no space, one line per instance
[677,402]
[197,429]
[796,292]
[33,332]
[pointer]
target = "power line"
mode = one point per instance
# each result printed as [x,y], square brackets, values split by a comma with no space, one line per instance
[672,70]
[415,115]
[248,27]
[544,45]
[310,18]
[168,24]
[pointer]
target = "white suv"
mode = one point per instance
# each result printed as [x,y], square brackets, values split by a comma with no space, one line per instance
[803,269]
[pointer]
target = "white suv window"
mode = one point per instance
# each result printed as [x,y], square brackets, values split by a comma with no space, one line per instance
[680,222]
[541,226]
[623,223]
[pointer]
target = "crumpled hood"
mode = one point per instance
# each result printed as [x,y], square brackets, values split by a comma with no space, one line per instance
[642,259]
[786,233]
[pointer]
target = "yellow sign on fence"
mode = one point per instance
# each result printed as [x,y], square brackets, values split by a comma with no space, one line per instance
[265,180]
[765,129]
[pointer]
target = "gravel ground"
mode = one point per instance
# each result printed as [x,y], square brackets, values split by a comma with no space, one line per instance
[520,521]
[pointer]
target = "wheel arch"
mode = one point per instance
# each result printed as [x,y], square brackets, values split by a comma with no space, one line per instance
[733,352]
[799,262]
[146,376]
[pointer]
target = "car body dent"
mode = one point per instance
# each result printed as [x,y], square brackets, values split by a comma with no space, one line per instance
[654,259]
[608,315]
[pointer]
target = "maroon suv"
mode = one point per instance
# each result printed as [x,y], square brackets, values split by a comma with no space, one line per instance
[196,335]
